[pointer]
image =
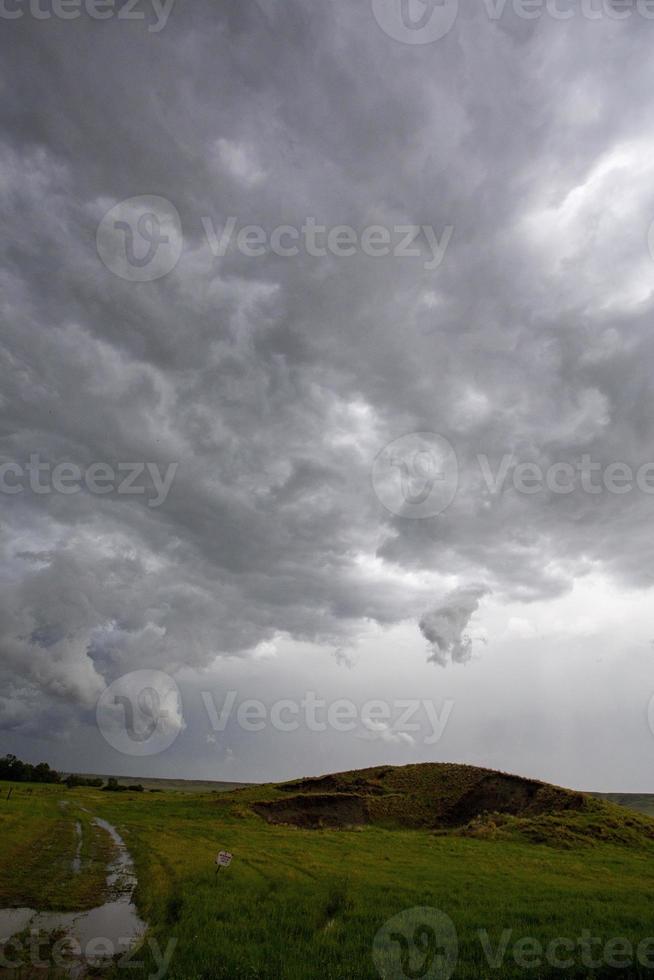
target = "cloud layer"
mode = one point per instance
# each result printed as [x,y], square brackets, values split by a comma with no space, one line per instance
[275,381]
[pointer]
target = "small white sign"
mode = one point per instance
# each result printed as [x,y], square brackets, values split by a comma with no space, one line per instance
[224,859]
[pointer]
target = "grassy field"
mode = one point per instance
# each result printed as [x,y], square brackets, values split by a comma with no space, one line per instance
[298,903]
[174,785]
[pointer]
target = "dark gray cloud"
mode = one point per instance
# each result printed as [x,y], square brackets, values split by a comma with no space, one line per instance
[275,381]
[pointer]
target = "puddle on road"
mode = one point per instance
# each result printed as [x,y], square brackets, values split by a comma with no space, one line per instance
[117,921]
[76,863]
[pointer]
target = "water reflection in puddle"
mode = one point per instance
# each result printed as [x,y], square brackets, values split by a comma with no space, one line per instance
[117,921]
[77,860]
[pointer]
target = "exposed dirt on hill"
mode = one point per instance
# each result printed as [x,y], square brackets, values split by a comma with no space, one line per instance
[497,793]
[315,810]
[428,796]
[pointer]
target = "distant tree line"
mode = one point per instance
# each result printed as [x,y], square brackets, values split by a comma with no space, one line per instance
[75,780]
[113,786]
[23,772]
[16,771]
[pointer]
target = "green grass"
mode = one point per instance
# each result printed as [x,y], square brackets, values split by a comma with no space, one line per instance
[39,843]
[299,903]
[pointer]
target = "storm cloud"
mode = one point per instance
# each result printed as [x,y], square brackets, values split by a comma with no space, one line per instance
[273,381]
[444,627]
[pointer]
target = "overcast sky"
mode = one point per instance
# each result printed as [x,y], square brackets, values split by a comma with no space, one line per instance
[494,560]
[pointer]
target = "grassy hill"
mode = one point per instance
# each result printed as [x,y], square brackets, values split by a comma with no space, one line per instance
[444,797]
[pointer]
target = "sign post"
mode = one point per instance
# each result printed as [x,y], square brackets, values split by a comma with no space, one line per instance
[223,860]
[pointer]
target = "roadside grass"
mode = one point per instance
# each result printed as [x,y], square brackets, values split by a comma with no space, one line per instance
[299,903]
[303,903]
